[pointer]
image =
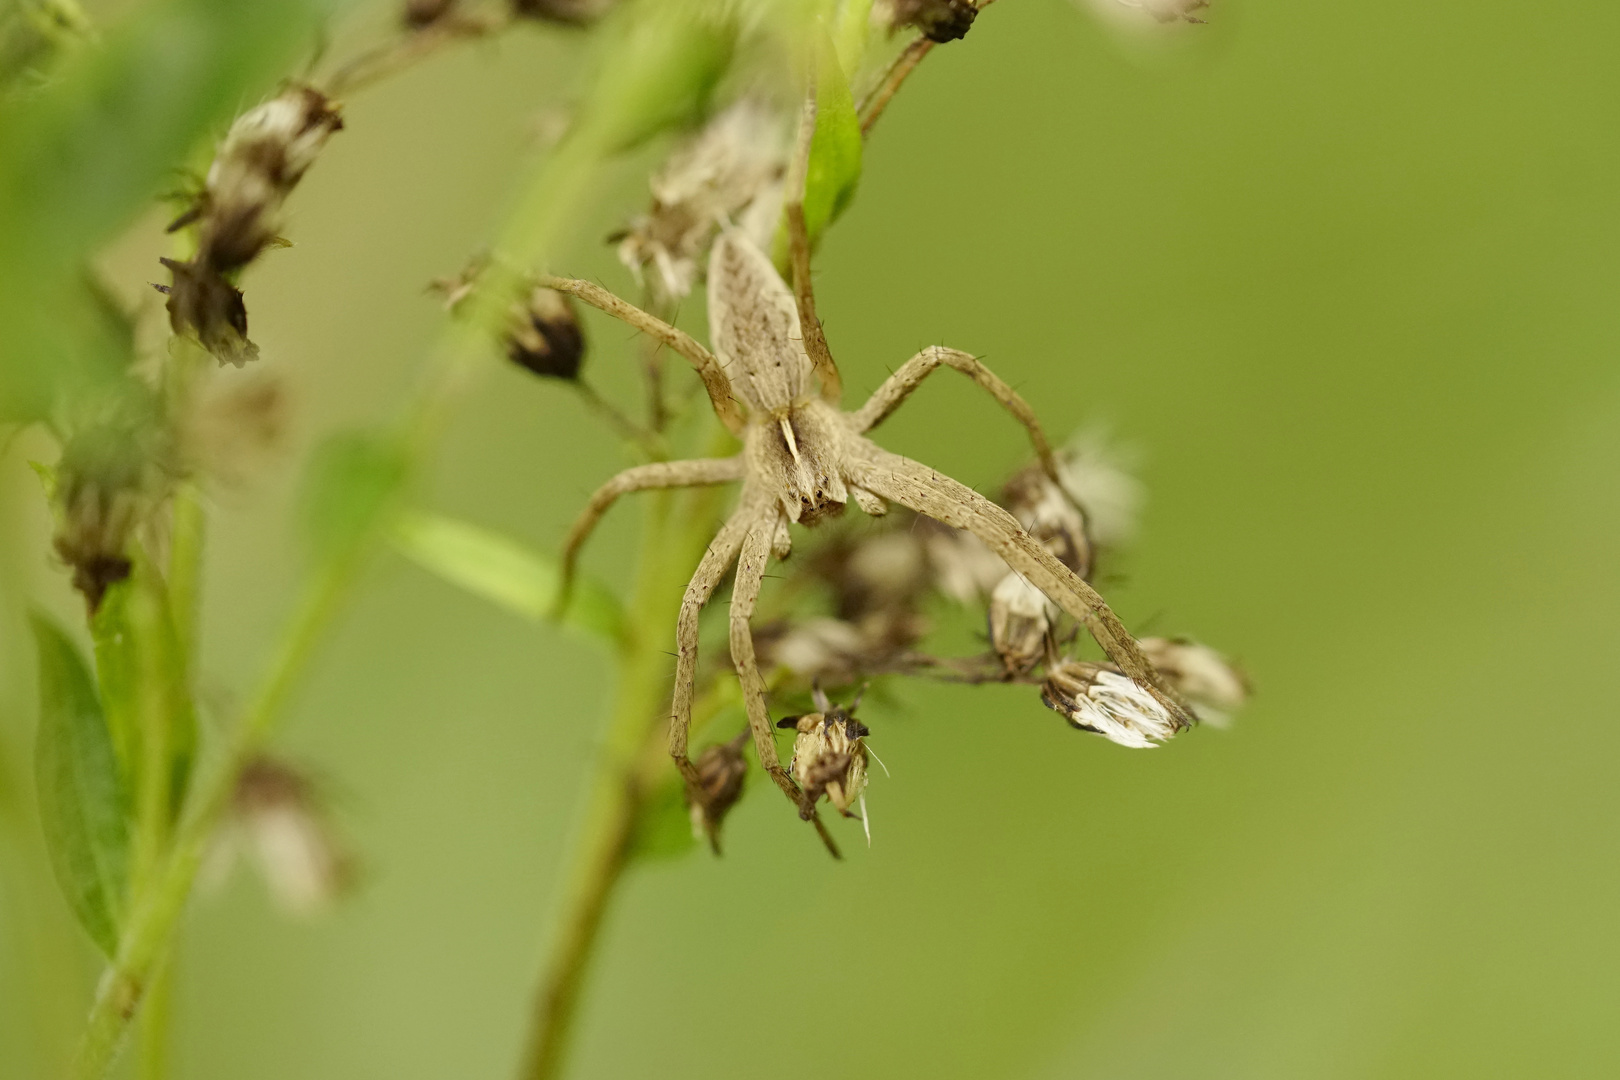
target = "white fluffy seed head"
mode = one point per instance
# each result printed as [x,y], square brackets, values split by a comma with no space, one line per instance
[1096,699]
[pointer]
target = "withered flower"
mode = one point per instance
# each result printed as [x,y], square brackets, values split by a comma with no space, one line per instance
[279,821]
[1097,698]
[721,769]
[829,757]
[263,156]
[1212,684]
[1020,623]
[105,483]
[1051,516]
[546,336]
[729,171]
[939,20]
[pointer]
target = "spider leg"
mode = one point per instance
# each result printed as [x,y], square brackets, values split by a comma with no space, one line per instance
[756,552]
[658,474]
[920,488]
[711,569]
[815,341]
[701,359]
[897,387]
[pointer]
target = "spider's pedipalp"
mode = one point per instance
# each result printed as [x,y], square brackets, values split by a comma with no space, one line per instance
[751,561]
[657,474]
[751,510]
[919,488]
[702,360]
[897,387]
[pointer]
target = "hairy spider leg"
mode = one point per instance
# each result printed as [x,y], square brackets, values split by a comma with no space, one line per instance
[919,488]
[697,472]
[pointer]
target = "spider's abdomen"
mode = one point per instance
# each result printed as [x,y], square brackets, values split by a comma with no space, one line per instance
[797,454]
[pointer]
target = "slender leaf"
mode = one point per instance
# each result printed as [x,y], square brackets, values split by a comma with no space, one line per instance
[504,571]
[835,147]
[82,802]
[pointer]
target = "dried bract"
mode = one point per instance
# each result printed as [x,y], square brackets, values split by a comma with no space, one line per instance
[205,305]
[829,759]
[105,484]
[721,770]
[546,337]
[730,171]
[1211,683]
[1096,698]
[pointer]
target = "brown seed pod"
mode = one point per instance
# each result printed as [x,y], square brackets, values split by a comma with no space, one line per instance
[939,20]
[721,770]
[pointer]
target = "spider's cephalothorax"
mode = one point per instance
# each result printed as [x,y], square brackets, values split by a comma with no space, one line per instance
[773,383]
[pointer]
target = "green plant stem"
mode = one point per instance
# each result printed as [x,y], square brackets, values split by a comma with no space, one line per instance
[155,1023]
[626,772]
[186,537]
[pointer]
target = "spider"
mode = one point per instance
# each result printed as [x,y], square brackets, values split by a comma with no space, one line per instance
[774,384]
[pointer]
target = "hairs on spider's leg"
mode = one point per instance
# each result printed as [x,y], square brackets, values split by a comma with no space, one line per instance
[919,488]
[711,569]
[696,472]
[756,552]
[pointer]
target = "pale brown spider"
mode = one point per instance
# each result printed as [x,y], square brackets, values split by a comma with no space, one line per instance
[803,459]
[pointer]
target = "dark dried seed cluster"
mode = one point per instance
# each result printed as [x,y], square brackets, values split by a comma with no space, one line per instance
[939,20]
[546,337]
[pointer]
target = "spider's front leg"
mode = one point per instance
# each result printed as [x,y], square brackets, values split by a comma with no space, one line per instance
[702,360]
[897,387]
[657,474]
[756,552]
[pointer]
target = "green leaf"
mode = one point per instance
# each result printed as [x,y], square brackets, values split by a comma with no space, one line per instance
[82,803]
[351,490]
[835,146]
[664,827]
[504,571]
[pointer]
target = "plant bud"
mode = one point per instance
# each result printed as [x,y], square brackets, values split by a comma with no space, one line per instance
[1099,699]
[722,770]
[1212,685]
[939,20]
[280,822]
[829,758]
[1020,623]
[546,337]
[205,305]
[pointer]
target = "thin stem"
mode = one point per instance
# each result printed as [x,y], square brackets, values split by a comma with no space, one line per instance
[155,1023]
[372,66]
[186,539]
[874,103]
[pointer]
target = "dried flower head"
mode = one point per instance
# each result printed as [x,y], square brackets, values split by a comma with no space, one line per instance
[1020,623]
[107,479]
[939,20]
[280,822]
[1212,684]
[730,171]
[1051,516]
[546,337]
[829,756]
[721,769]
[238,214]
[1096,698]
[234,426]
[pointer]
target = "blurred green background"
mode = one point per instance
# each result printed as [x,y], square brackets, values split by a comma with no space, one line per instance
[1345,275]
